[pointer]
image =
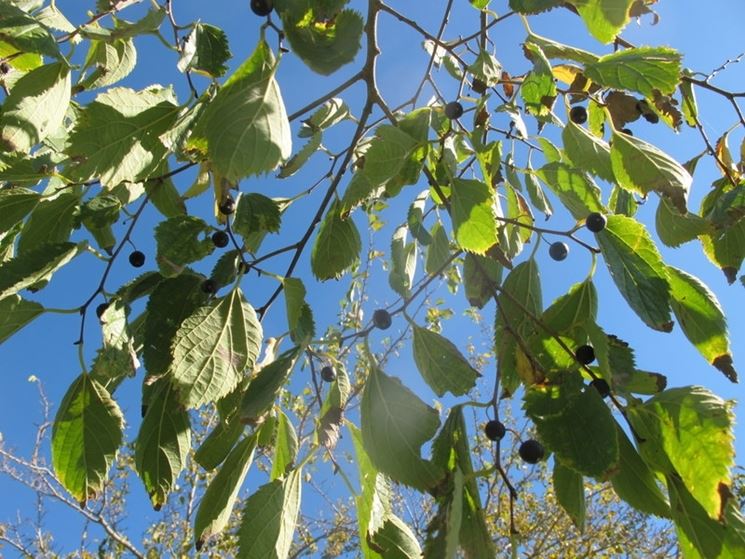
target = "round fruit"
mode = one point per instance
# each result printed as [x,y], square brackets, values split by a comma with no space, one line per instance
[627,131]
[601,386]
[531,451]
[220,239]
[585,354]
[228,206]
[578,115]
[209,286]
[382,319]
[494,430]
[137,259]
[595,222]
[651,117]
[328,374]
[558,251]
[453,110]
[100,309]
[478,86]
[262,7]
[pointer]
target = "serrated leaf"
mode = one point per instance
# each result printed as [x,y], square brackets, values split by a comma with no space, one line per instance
[395,424]
[533,6]
[218,444]
[117,358]
[570,493]
[702,320]
[395,539]
[640,167]
[219,498]
[587,151]
[441,364]
[538,89]
[86,435]
[554,49]
[269,518]
[264,387]
[337,246]
[438,252]
[15,204]
[403,262]
[256,213]
[213,347]
[637,270]
[205,51]
[116,138]
[726,248]
[577,191]
[604,18]
[474,215]
[644,69]
[481,277]
[574,309]
[294,164]
[285,447]
[164,195]
[181,240]
[109,61]
[24,33]
[35,266]
[15,313]
[299,314]
[332,410]
[163,442]
[244,129]
[327,115]
[35,107]
[673,228]
[415,219]
[325,42]
[486,68]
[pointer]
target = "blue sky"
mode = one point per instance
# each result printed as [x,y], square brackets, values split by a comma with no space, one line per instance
[707,34]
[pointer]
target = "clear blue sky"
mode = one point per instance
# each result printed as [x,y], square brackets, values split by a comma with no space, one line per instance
[707,34]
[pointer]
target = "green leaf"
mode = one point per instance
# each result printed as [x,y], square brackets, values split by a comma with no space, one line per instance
[438,252]
[587,151]
[163,442]
[324,41]
[269,518]
[222,492]
[86,434]
[486,68]
[570,493]
[172,301]
[395,424]
[481,277]
[474,215]
[576,425]
[256,213]
[536,195]
[111,61]
[15,204]
[51,222]
[164,195]
[575,189]
[299,314]
[635,483]
[294,164]
[35,107]
[213,347]
[117,358]
[285,447]
[637,270]
[640,167]
[702,320]
[604,18]
[441,364]
[181,240]
[554,49]
[574,309]
[264,387]
[687,431]
[337,246]
[674,228]
[403,262]
[538,89]
[244,129]
[533,6]
[24,33]
[116,137]
[15,313]
[415,219]
[645,69]
[726,248]
[395,540]
[332,410]
[332,112]
[218,444]
[35,266]
[205,51]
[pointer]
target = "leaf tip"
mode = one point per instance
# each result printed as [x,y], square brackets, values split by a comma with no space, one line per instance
[724,363]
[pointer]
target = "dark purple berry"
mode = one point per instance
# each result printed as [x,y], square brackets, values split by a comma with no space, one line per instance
[220,239]
[137,259]
[595,222]
[209,286]
[494,430]
[558,251]
[382,319]
[531,451]
[328,374]
[262,8]
[228,206]
[100,309]
[585,354]
[578,115]
[627,131]
[453,110]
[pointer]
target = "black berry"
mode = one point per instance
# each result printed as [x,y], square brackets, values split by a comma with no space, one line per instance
[478,86]
[651,117]
[585,354]
[627,131]
[328,374]
[228,206]
[578,115]
[558,251]
[382,319]
[494,430]
[531,451]
[4,68]
[262,7]
[601,386]
[595,222]
[220,239]
[100,309]
[137,259]
[209,286]
[453,110]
